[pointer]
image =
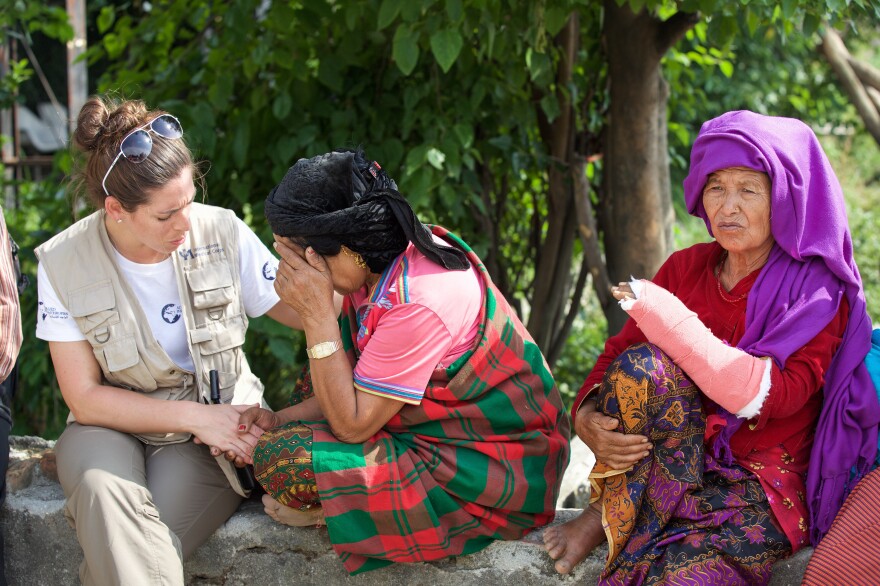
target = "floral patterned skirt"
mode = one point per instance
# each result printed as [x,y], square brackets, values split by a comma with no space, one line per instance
[678,516]
[283,458]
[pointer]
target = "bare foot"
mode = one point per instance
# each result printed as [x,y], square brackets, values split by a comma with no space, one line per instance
[288,516]
[571,542]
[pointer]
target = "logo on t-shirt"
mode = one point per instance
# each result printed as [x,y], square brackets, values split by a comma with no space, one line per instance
[50,312]
[269,270]
[171,313]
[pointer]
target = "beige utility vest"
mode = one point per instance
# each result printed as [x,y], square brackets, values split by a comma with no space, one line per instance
[81,265]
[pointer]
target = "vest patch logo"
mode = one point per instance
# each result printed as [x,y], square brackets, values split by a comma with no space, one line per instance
[46,312]
[171,313]
[269,270]
[191,253]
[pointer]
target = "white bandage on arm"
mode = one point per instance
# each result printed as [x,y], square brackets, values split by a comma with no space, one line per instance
[734,379]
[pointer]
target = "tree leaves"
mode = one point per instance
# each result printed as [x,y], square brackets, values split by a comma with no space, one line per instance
[241,139]
[106,19]
[281,105]
[446,45]
[388,11]
[459,130]
[406,49]
[221,91]
[435,157]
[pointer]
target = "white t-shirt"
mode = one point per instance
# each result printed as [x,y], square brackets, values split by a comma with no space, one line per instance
[155,287]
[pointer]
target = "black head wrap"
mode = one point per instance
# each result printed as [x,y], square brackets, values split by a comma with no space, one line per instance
[342,198]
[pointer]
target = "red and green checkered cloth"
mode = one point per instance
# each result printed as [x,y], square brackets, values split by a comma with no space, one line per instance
[479,459]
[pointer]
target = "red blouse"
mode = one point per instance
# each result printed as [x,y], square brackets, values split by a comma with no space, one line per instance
[776,453]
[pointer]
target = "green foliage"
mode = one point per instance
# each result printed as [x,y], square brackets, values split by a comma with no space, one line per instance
[453,97]
[439,92]
[38,405]
[771,71]
[18,20]
[582,349]
[18,73]
[21,17]
[41,210]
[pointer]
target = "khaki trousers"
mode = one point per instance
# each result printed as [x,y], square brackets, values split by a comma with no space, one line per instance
[139,510]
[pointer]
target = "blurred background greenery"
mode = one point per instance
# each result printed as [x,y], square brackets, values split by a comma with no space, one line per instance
[448,97]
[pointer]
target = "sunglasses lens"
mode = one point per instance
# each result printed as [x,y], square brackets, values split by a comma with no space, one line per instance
[137,146]
[167,126]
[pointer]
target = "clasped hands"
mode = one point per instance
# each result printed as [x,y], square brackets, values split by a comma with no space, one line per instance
[239,438]
[616,449]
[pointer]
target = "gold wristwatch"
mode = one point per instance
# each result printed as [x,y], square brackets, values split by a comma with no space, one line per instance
[323,349]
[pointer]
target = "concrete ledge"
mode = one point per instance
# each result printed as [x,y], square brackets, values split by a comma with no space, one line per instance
[41,547]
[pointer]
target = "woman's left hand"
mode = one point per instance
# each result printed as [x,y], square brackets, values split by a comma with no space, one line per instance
[303,281]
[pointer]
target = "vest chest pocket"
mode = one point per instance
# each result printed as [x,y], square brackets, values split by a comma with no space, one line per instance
[211,285]
[219,346]
[94,309]
[123,366]
[98,327]
[220,335]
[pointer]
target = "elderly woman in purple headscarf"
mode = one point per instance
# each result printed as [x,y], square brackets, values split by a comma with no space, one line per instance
[733,412]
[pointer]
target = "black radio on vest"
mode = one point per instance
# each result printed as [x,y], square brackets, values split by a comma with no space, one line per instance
[245,475]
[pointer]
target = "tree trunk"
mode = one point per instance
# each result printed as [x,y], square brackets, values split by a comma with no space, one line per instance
[637,196]
[667,209]
[553,266]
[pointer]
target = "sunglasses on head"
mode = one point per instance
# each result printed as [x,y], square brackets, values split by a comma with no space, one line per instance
[138,144]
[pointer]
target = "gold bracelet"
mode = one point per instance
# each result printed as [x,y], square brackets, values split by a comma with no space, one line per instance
[323,349]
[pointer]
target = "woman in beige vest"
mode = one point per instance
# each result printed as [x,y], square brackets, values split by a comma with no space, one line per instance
[145,305]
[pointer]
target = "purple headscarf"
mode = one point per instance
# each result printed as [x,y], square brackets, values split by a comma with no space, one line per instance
[798,292]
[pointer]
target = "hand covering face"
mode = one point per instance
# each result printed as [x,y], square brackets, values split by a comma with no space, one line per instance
[810,269]
[340,198]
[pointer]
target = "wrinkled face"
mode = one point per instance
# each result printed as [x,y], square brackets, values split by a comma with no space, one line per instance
[347,277]
[737,203]
[161,224]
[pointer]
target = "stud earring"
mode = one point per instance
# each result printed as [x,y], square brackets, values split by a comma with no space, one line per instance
[356,256]
[118,220]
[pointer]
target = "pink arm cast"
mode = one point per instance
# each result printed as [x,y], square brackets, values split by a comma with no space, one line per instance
[734,379]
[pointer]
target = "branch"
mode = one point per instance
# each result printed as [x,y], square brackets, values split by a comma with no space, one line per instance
[866,72]
[674,28]
[588,233]
[573,308]
[533,247]
[837,55]
[875,97]
[487,222]
[567,42]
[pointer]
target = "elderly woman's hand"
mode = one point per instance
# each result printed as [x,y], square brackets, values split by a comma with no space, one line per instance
[303,281]
[218,427]
[616,449]
[622,291]
[261,419]
[252,424]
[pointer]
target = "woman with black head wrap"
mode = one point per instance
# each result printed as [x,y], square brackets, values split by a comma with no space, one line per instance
[430,424]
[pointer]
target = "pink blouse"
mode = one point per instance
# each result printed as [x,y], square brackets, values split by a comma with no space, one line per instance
[419,318]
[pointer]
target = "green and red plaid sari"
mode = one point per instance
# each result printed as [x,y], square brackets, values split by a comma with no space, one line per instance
[479,459]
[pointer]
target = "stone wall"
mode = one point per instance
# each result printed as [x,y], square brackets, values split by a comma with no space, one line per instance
[251,549]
